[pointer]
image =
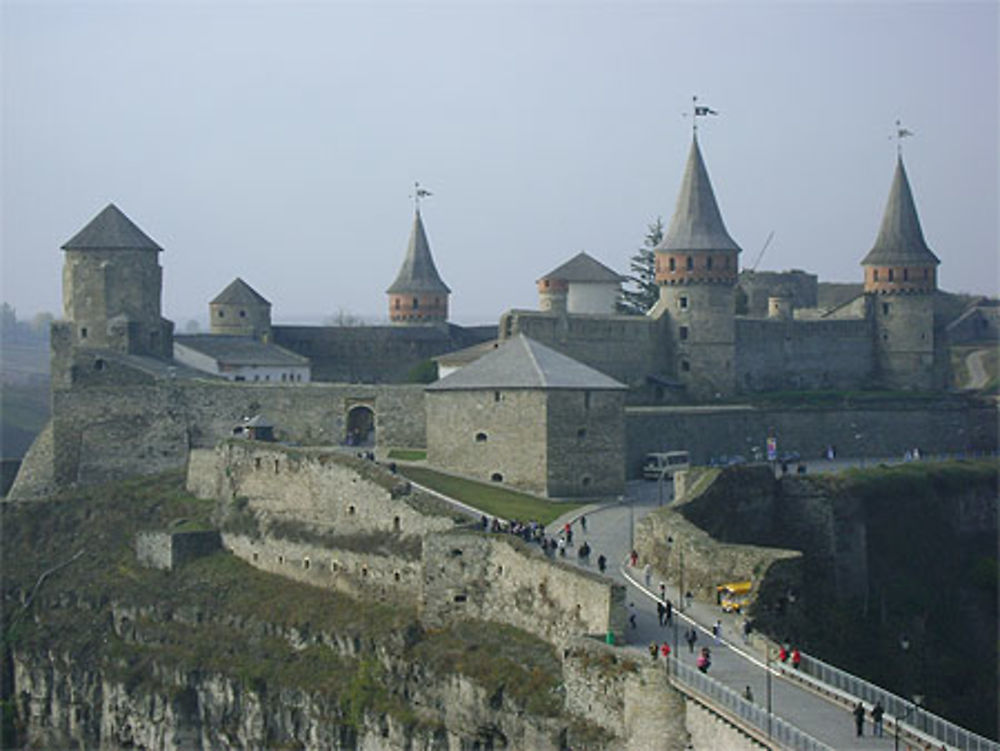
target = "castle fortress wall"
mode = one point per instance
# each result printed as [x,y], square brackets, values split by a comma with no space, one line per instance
[586,439]
[118,421]
[492,578]
[874,430]
[327,492]
[773,355]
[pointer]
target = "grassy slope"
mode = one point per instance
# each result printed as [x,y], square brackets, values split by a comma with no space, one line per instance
[231,603]
[490,499]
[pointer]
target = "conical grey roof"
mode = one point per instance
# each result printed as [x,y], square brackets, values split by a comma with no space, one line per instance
[418,273]
[900,240]
[697,223]
[110,230]
[584,268]
[239,293]
[523,363]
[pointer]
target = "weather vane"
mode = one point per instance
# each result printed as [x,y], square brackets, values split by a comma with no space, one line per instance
[698,110]
[901,133]
[419,193]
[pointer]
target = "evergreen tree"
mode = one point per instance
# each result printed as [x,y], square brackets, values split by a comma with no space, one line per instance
[641,291]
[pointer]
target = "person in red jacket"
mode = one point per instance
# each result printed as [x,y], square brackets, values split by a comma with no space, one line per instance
[796,658]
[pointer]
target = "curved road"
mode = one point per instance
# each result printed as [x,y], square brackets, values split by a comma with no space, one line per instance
[733,663]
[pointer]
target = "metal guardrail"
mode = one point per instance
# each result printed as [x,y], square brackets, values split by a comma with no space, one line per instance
[898,709]
[766,724]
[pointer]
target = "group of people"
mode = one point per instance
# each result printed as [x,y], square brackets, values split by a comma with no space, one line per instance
[859,718]
[534,532]
[784,655]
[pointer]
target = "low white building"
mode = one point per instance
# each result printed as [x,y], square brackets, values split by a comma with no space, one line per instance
[581,285]
[241,358]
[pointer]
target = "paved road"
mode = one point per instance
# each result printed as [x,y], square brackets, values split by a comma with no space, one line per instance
[977,370]
[736,665]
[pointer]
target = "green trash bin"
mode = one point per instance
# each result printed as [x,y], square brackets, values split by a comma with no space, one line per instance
[610,638]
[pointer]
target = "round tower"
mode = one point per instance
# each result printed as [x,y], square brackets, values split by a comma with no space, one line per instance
[112,283]
[552,295]
[239,310]
[697,265]
[900,273]
[418,296]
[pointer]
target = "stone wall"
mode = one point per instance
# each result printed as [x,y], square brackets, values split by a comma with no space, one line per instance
[585,443]
[869,431]
[758,286]
[776,355]
[121,420]
[166,550]
[493,578]
[374,574]
[710,732]
[491,436]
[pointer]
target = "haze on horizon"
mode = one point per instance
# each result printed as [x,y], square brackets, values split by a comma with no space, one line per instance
[280,142]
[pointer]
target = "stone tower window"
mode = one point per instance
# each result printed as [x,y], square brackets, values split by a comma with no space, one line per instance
[397,303]
[586,400]
[416,303]
[83,332]
[890,275]
[481,437]
[682,302]
[497,396]
[306,563]
[685,366]
[585,481]
[98,364]
[926,274]
[906,275]
[673,264]
[222,314]
[581,433]
[708,263]
[243,314]
[726,264]
[885,308]
[496,477]
[874,275]
[683,332]
[690,263]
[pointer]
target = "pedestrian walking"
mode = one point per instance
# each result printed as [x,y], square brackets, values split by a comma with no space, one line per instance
[691,636]
[663,590]
[748,694]
[746,630]
[704,661]
[653,649]
[859,718]
[647,572]
[877,711]
[661,611]
[583,522]
[687,598]
[717,632]
[631,614]
[796,658]
[669,607]
[633,559]
[602,563]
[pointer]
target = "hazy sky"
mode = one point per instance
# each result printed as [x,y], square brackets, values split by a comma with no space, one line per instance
[279,141]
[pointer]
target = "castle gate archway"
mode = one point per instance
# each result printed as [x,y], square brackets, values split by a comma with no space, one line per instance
[360,425]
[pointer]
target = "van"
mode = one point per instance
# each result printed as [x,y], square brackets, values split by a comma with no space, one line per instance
[734,597]
[665,464]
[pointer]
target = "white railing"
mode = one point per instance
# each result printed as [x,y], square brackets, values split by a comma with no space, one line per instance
[723,698]
[909,715]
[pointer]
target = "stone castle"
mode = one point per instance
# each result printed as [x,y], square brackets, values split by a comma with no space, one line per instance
[546,387]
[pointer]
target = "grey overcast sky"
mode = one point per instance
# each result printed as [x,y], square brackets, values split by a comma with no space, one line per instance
[279,141]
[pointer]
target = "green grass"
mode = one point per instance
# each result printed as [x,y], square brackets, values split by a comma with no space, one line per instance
[493,500]
[408,455]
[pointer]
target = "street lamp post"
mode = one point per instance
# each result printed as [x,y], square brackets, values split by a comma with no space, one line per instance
[917,701]
[767,652]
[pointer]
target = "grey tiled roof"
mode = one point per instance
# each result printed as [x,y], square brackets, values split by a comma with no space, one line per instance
[523,363]
[110,230]
[239,350]
[239,293]
[900,240]
[584,268]
[696,223]
[418,273]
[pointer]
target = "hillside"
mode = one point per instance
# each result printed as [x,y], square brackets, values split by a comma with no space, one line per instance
[222,651]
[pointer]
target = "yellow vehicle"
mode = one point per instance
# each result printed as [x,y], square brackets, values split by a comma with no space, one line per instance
[734,597]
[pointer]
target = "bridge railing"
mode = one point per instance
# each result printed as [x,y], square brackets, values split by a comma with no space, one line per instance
[897,708]
[721,697]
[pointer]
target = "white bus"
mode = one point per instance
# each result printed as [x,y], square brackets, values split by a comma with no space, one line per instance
[665,464]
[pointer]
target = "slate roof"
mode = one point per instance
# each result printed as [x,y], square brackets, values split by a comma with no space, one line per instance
[239,293]
[523,363]
[584,268]
[239,350]
[110,230]
[696,223]
[900,240]
[418,273]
